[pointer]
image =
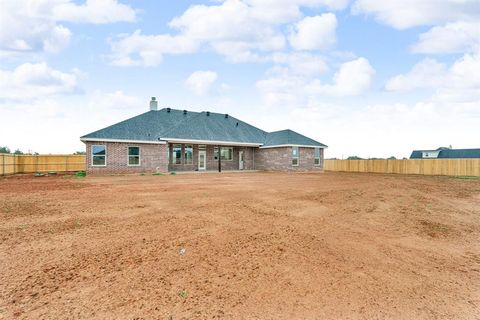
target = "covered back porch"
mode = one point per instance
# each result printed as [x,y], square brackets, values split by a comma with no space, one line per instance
[195,156]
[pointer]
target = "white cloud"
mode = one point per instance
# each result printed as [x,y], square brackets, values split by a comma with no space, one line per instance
[450,38]
[33,81]
[199,82]
[301,63]
[35,26]
[240,30]
[402,14]
[314,33]
[115,100]
[283,88]
[353,78]
[458,84]
[93,11]
[428,73]
[149,49]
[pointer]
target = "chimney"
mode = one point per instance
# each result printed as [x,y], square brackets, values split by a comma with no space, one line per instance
[153,104]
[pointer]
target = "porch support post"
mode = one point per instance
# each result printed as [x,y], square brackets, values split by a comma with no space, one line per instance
[219,159]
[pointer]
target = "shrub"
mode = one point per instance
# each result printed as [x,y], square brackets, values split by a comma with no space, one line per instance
[80,174]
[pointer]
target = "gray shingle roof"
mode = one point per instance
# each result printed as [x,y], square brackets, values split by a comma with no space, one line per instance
[289,137]
[446,153]
[176,124]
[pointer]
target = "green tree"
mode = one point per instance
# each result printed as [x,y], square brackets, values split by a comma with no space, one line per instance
[18,151]
[4,150]
[354,158]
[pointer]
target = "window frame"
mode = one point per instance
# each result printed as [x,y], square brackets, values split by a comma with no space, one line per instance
[315,158]
[92,155]
[174,154]
[297,157]
[216,148]
[139,156]
[185,162]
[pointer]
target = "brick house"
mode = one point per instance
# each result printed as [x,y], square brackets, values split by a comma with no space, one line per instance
[180,140]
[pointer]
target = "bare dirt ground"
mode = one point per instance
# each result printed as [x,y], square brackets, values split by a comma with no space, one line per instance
[257,246]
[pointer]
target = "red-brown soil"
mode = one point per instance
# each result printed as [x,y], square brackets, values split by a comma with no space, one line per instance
[257,246]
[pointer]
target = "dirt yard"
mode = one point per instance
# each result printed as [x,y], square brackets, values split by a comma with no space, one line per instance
[240,245]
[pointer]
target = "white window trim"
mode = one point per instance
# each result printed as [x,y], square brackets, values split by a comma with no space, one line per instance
[139,157]
[297,157]
[91,153]
[315,157]
[220,153]
[174,155]
[185,154]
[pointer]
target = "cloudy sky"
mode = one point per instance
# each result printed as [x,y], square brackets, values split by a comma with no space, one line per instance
[372,78]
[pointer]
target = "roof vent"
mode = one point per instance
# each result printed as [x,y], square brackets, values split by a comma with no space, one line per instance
[237,124]
[208,113]
[168,109]
[153,104]
[184,111]
[226,115]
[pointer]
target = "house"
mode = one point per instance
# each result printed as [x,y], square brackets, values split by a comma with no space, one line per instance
[445,153]
[180,140]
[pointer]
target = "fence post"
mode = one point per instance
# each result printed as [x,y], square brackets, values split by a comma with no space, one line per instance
[66,163]
[36,163]
[3,164]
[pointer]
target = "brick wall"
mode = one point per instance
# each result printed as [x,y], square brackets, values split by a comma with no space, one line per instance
[212,164]
[281,159]
[152,156]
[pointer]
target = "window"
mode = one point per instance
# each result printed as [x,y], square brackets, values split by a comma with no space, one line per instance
[294,156]
[99,155]
[177,154]
[317,156]
[188,154]
[133,156]
[227,153]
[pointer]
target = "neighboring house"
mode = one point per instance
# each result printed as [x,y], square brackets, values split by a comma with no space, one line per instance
[180,140]
[445,153]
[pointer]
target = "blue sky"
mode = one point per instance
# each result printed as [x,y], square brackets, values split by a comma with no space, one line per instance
[366,77]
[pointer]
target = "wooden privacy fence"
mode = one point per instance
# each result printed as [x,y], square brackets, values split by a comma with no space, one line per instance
[13,163]
[448,167]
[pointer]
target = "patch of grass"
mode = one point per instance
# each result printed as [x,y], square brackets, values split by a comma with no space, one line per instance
[22,226]
[39,174]
[466,177]
[173,173]
[157,174]
[183,294]
[80,174]
[142,174]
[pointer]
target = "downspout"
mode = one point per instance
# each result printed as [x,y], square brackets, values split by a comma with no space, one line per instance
[219,159]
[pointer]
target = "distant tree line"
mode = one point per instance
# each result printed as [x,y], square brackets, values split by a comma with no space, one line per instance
[18,151]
